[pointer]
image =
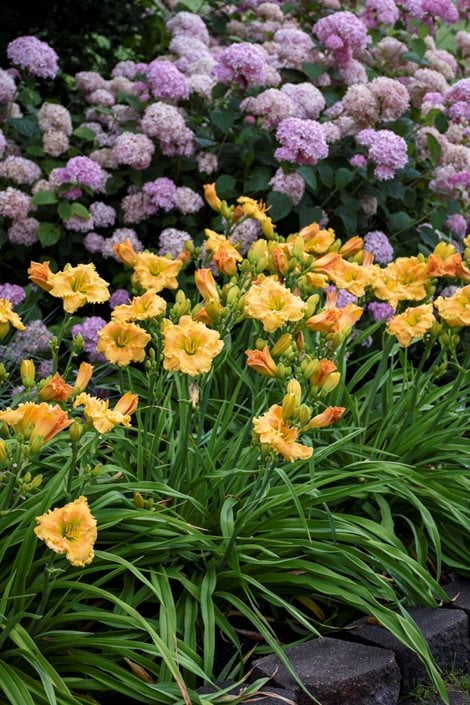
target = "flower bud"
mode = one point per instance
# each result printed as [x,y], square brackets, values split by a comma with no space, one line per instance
[76,431]
[139,500]
[36,444]
[36,482]
[289,407]
[3,451]
[84,374]
[3,373]
[282,345]
[78,343]
[27,373]
[212,198]
[304,413]
[293,387]
[4,328]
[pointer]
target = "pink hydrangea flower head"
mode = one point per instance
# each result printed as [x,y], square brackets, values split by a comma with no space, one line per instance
[188,23]
[79,225]
[14,204]
[388,151]
[166,82]
[161,194]
[244,63]
[293,185]
[379,12]
[134,149]
[307,99]
[20,170]
[165,123]
[37,57]
[7,87]
[272,104]
[344,34]
[358,160]
[302,141]
[429,11]
[245,233]
[83,171]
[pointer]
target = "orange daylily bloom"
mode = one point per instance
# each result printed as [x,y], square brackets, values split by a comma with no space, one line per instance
[455,309]
[278,436]
[225,259]
[411,325]
[36,421]
[40,273]
[84,374]
[122,342]
[154,272]
[189,346]
[405,279]
[351,247]
[212,198]
[55,389]
[327,417]
[125,252]
[205,283]
[149,305]
[261,361]
[8,316]
[78,286]
[71,530]
[444,261]
[101,417]
[325,377]
[273,304]
[316,240]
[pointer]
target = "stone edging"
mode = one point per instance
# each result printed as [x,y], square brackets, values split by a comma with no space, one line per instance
[365,665]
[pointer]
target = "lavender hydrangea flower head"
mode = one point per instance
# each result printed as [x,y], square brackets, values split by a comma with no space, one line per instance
[448,291]
[13,293]
[458,225]
[244,63]
[344,297]
[187,200]
[379,245]
[302,141]
[52,116]
[35,338]
[245,233]
[93,242]
[89,330]
[7,87]
[344,34]
[272,104]
[388,151]
[24,232]
[293,185]
[161,194]
[37,57]
[380,311]
[172,241]
[119,297]
[79,225]
[14,204]
[121,235]
[103,215]
[166,81]
[83,171]
[135,150]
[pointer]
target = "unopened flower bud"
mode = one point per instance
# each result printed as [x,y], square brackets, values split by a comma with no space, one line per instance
[139,500]
[293,387]
[3,451]
[36,444]
[289,407]
[304,414]
[3,373]
[78,343]
[36,482]
[4,328]
[262,264]
[282,345]
[27,373]
[76,431]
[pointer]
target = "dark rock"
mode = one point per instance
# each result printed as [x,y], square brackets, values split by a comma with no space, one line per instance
[266,696]
[445,630]
[459,592]
[455,698]
[335,673]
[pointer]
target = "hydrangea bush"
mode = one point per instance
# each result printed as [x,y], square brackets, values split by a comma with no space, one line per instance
[356,118]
